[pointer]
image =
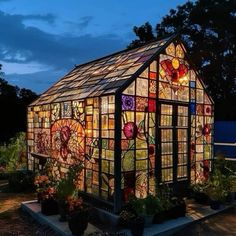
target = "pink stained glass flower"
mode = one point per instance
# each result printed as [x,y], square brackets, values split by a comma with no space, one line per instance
[130,130]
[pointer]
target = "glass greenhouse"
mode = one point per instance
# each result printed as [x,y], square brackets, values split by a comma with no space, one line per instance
[136,119]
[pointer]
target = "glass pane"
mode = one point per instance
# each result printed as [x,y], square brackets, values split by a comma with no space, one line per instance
[167,175]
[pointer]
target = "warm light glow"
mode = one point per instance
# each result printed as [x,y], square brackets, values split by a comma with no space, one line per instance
[175,63]
[183,80]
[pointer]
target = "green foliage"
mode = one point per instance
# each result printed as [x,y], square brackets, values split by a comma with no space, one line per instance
[21,181]
[199,187]
[147,206]
[208,30]
[13,156]
[219,186]
[66,186]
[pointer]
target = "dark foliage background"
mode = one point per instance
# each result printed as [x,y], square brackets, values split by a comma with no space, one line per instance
[13,104]
[208,29]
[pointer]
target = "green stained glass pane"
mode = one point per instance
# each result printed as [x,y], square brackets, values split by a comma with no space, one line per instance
[141,154]
[127,161]
[141,165]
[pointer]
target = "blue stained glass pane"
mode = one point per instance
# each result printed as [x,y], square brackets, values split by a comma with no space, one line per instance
[192,84]
[193,108]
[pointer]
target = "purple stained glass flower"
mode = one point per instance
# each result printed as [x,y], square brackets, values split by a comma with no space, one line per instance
[127,103]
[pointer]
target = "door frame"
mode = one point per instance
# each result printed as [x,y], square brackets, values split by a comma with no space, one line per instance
[177,185]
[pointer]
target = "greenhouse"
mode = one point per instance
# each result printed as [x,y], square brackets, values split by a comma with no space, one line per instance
[136,119]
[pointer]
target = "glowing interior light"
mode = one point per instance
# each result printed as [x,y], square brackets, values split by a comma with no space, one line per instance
[183,79]
[175,63]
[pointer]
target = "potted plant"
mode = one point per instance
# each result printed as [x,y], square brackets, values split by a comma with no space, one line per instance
[137,226]
[199,192]
[78,215]
[42,183]
[126,216]
[145,207]
[49,204]
[218,188]
[150,207]
[66,187]
[178,208]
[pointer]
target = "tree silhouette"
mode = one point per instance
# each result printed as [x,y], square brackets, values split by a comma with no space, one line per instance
[207,27]
[13,104]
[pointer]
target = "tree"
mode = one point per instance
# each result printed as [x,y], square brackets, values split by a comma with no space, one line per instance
[13,104]
[207,27]
[145,34]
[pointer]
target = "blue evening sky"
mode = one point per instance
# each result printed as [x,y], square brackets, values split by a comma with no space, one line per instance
[41,40]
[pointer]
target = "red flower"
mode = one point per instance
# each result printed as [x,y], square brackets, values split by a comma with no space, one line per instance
[175,74]
[206,129]
[130,130]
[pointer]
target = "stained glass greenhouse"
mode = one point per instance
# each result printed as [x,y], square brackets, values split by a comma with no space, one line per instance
[136,119]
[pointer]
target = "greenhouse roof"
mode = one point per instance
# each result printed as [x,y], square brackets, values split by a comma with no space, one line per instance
[103,76]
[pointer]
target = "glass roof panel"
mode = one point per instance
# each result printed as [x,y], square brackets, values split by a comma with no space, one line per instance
[102,76]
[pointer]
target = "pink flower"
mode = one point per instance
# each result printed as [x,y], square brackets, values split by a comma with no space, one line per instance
[130,130]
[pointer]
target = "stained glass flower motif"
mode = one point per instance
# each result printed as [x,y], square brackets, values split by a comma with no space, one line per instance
[207,110]
[206,129]
[130,130]
[127,103]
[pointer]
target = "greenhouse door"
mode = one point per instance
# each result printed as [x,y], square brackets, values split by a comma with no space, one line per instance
[174,145]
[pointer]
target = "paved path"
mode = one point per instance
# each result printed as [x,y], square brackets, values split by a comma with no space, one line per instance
[223,224]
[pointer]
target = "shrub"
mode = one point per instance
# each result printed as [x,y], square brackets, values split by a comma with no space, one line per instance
[21,181]
[13,155]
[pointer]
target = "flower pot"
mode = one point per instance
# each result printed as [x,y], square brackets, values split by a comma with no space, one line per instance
[78,222]
[137,226]
[63,212]
[39,197]
[148,219]
[215,204]
[49,207]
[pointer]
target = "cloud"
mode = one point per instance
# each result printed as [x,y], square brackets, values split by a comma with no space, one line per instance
[21,44]
[38,82]
[27,45]
[82,24]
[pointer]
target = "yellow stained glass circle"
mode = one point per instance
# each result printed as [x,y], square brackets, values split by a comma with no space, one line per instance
[175,63]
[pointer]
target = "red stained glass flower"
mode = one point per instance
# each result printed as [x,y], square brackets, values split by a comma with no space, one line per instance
[206,129]
[177,73]
[130,130]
